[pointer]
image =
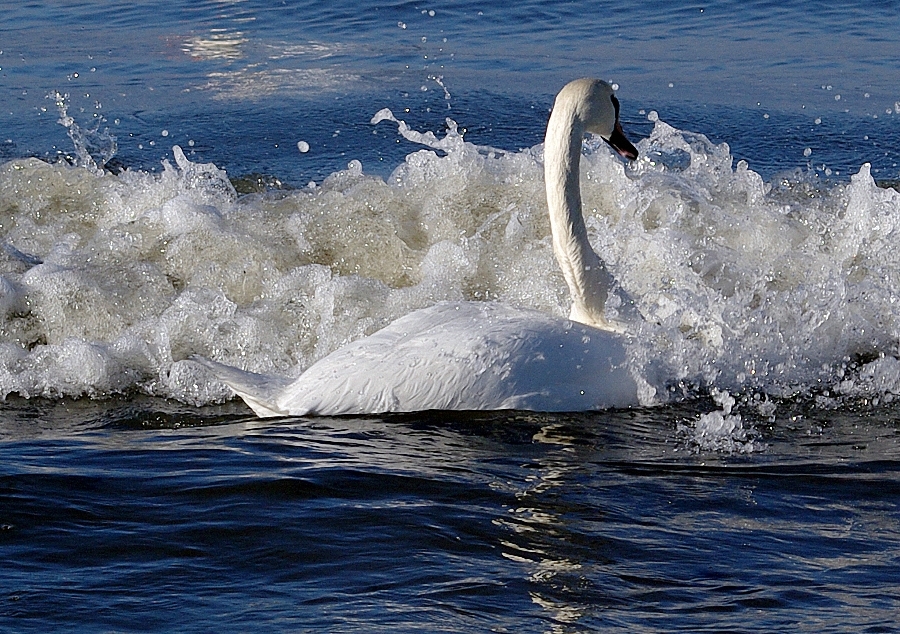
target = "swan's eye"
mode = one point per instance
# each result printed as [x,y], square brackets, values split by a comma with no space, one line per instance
[615,105]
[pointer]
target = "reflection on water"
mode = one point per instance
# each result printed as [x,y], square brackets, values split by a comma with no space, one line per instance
[540,533]
[253,83]
[222,45]
[247,66]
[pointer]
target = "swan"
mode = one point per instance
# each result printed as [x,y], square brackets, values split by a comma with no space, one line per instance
[486,355]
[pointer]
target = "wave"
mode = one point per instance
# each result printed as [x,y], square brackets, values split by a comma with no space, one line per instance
[788,288]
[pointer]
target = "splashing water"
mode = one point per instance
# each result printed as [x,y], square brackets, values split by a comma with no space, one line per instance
[722,430]
[752,285]
[93,147]
[786,289]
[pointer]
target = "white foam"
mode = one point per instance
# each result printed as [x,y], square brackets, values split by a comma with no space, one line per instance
[720,430]
[742,285]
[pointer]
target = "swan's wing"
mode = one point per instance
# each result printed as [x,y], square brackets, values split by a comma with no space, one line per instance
[453,356]
[259,391]
[399,368]
[468,356]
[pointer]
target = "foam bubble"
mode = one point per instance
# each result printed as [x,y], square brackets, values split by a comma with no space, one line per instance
[720,430]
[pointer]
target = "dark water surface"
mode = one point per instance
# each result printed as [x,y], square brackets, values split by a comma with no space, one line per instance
[137,516]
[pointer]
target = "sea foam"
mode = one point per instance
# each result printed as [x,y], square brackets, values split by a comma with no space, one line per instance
[109,282]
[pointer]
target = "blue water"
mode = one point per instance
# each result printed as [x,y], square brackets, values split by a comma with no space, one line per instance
[126,513]
[147,517]
[245,80]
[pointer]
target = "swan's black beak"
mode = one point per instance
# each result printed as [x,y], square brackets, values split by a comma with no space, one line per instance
[621,144]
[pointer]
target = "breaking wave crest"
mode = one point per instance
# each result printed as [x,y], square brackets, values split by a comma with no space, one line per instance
[766,290]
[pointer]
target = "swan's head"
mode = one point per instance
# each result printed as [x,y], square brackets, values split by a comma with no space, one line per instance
[597,109]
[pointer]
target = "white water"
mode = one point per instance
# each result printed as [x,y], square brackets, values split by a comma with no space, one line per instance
[109,282]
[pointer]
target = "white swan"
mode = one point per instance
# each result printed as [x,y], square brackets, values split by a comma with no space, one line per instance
[484,355]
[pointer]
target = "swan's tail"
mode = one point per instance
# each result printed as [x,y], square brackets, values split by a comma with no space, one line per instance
[259,391]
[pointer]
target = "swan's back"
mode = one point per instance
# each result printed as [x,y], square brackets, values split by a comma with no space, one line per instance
[462,356]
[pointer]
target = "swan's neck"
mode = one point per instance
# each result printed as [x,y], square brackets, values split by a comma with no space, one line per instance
[586,275]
